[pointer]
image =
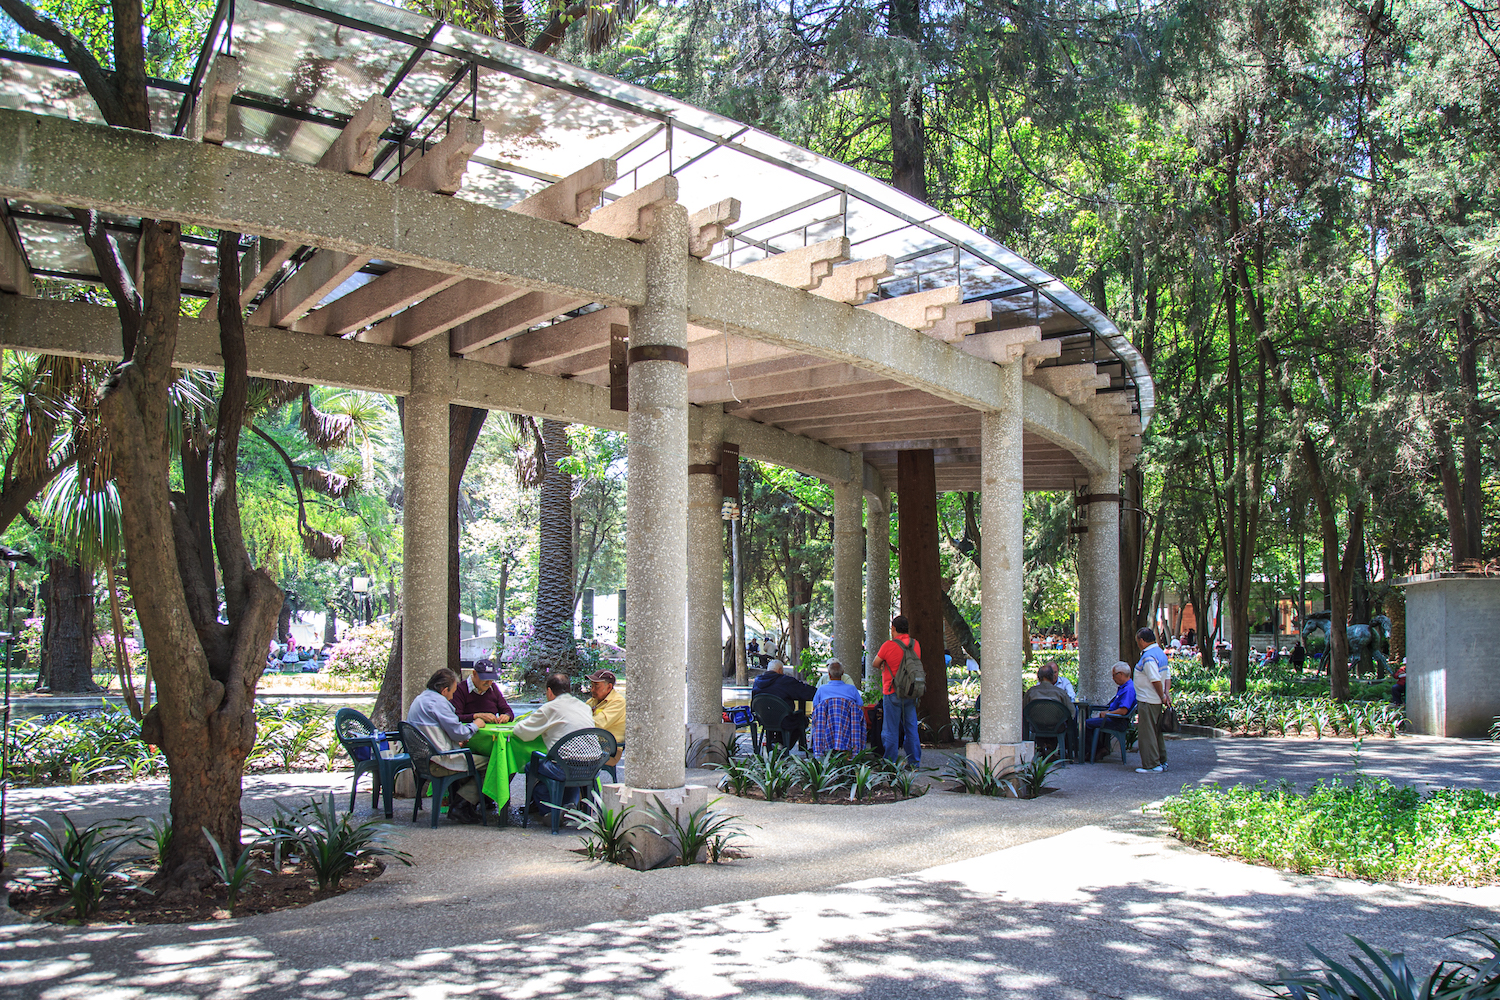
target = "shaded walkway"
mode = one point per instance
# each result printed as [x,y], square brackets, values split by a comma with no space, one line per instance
[1070,896]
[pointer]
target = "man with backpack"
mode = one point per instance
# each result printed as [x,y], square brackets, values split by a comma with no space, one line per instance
[904,681]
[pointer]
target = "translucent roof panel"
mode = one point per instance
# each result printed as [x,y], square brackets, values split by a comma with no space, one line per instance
[307,65]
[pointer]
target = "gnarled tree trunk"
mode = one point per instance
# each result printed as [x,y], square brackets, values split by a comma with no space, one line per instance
[68,641]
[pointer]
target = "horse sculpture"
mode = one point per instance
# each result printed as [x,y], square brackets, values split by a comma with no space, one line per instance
[1364,640]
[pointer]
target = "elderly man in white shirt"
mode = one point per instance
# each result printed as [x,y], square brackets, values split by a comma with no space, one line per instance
[432,713]
[563,713]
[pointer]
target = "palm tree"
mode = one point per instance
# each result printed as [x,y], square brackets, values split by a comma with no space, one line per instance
[552,636]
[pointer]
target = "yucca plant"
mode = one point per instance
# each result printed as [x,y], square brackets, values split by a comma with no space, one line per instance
[1386,976]
[976,779]
[237,875]
[155,835]
[81,861]
[692,837]
[334,844]
[738,775]
[602,830]
[772,772]
[864,779]
[820,775]
[1033,774]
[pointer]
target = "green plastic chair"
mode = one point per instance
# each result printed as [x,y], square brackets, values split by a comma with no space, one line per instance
[362,742]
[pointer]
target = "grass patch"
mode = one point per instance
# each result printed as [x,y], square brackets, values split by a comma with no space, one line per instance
[1358,827]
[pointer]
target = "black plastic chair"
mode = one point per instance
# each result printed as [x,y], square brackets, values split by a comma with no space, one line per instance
[421,750]
[579,756]
[1048,719]
[361,741]
[772,714]
[1118,727]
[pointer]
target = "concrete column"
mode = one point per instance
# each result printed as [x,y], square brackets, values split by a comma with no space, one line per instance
[1002,510]
[706,729]
[656,503]
[424,521]
[877,575]
[1099,588]
[848,543]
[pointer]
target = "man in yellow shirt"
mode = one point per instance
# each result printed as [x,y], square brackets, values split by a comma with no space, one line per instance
[609,708]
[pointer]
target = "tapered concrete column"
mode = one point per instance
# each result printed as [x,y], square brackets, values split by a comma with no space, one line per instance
[848,588]
[424,521]
[1099,588]
[705,574]
[1002,510]
[877,575]
[656,502]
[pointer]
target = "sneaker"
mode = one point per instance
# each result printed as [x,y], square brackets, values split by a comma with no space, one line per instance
[1150,770]
[1163,766]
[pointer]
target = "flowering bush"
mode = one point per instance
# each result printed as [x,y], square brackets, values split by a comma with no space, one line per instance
[362,652]
[29,638]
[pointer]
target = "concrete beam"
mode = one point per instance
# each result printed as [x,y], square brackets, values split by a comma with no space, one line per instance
[633,216]
[557,342]
[919,310]
[441,312]
[15,276]
[440,170]
[210,121]
[708,226]
[1001,346]
[1038,351]
[854,282]
[374,300]
[517,314]
[353,152]
[959,321]
[804,268]
[1075,383]
[573,199]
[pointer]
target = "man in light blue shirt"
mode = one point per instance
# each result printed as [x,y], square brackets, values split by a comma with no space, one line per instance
[837,687]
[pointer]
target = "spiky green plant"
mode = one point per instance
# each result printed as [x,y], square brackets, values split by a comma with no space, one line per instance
[602,830]
[81,861]
[1381,975]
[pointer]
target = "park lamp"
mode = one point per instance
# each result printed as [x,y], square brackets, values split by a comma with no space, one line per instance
[731,509]
[360,584]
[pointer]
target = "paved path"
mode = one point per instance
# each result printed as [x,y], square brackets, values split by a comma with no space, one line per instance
[1073,895]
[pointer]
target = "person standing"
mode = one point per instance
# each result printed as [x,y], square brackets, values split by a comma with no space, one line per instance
[1151,696]
[899,714]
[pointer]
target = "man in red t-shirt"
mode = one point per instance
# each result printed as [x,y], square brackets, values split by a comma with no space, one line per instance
[899,715]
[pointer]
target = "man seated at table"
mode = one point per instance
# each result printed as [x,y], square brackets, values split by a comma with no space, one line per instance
[561,714]
[479,699]
[1046,687]
[609,709]
[432,713]
[837,687]
[1118,707]
[792,690]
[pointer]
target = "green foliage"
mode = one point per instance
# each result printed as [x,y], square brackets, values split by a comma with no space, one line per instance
[81,861]
[1268,715]
[1033,774]
[156,835]
[1358,826]
[1388,977]
[235,875]
[107,745]
[333,843]
[602,830]
[976,779]
[703,828]
[777,774]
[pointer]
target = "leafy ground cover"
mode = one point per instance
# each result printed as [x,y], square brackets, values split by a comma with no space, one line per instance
[106,745]
[1254,714]
[71,874]
[1355,826]
[774,775]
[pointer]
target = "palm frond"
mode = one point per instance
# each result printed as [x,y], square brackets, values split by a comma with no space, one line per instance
[82,512]
[321,544]
[325,431]
[328,483]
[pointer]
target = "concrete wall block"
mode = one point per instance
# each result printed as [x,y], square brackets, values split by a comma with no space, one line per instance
[706,742]
[648,849]
[1001,756]
[1451,669]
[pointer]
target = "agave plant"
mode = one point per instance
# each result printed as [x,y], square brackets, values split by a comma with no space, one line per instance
[603,830]
[1386,976]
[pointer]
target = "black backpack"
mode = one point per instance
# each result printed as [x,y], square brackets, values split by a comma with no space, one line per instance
[911,677]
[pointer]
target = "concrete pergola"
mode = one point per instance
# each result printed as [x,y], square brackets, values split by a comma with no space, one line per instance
[441,216]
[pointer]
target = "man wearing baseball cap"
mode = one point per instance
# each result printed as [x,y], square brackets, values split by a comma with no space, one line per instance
[479,699]
[609,708]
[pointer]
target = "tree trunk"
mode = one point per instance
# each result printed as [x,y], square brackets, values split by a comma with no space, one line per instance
[330,625]
[206,670]
[387,711]
[122,657]
[552,636]
[908,130]
[501,589]
[68,629]
[464,425]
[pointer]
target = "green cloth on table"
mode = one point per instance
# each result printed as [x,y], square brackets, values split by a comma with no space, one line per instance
[508,757]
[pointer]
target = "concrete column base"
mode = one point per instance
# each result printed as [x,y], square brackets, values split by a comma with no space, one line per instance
[1001,756]
[647,850]
[705,741]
